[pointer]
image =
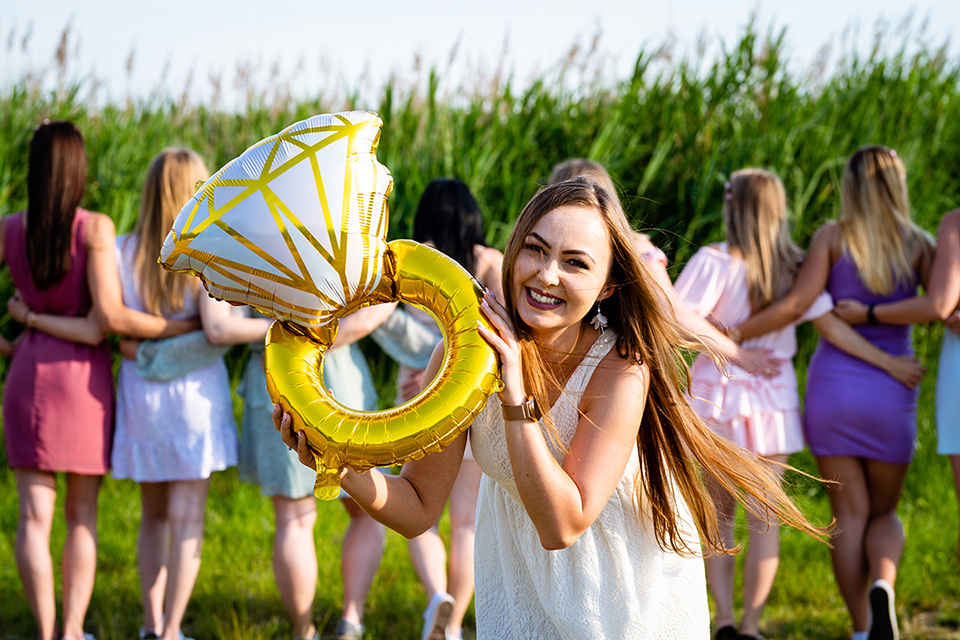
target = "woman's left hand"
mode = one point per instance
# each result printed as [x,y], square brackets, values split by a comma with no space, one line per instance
[953,322]
[504,341]
[283,423]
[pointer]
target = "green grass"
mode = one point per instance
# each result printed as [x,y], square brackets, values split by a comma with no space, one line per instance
[235,595]
[670,134]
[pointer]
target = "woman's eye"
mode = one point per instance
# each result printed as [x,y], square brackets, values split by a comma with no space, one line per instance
[534,248]
[579,264]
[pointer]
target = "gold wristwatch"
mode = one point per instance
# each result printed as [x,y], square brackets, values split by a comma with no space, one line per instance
[526,411]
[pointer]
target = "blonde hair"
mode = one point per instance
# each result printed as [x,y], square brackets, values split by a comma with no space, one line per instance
[875,220]
[592,171]
[171,182]
[673,443]
[755,214]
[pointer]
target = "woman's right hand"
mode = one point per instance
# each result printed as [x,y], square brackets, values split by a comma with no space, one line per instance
[853,311]
[17,308]
[128,348]
[907,370]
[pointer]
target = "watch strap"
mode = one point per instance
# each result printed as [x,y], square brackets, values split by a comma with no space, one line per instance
[526,411]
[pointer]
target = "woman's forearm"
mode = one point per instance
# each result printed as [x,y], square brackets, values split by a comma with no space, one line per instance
[85,329]
[906,369]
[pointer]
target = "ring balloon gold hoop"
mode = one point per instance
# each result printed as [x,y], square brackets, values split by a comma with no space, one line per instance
[343,437]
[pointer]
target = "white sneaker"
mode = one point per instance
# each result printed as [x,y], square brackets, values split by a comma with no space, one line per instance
[883,614]
[436,617]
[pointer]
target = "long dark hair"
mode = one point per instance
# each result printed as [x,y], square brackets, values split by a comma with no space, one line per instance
[56,178]
[449,217]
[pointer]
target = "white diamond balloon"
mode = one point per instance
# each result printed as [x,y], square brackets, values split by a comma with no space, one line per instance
[296,226]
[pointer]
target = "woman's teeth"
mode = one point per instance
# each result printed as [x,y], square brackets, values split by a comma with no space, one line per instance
[542,299]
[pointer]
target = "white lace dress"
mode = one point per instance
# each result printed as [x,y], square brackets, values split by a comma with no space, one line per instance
[183,429]
[614,582]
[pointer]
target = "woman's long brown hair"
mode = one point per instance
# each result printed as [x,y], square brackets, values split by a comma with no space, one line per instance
[675,447]
[56,179]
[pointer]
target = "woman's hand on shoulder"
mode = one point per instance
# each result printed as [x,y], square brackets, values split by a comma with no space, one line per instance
[100,232]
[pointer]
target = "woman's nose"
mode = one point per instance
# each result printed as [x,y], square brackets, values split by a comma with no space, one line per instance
[548,272]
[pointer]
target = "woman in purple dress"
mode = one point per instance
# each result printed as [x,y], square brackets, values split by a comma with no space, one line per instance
[860,422]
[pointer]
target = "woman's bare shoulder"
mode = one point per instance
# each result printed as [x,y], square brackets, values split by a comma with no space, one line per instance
[100,230]
[617,377]
[489,265]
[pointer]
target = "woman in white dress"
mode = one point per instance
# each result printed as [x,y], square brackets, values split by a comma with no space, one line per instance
[588,518]
[171,436]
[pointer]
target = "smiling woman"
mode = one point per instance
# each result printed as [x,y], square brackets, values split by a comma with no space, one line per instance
[588,516]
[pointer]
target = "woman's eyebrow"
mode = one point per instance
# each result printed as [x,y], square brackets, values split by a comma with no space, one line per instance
[566,252]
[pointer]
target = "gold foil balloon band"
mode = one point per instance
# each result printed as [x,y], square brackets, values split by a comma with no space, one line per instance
[344,437]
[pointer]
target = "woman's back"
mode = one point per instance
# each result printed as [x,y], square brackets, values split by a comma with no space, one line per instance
[69,297]
[53,382]
[854,409]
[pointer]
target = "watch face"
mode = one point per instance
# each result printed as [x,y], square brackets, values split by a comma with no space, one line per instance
[531,410]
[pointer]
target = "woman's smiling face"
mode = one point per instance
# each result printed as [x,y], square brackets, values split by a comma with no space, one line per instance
[562,269]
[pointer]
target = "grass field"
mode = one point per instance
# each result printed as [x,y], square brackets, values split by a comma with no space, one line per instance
[670,135]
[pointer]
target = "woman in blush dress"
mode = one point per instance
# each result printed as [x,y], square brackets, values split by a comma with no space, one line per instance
[58,397]
[860,422]
[592,499]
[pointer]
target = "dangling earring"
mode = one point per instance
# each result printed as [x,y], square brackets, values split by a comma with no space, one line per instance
[599,321]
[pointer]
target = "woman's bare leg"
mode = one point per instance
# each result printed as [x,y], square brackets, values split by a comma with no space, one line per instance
[721,569]
[79,564]
[295,560]
[37,498]
[760,563]
[359,559]
[884,540]
[188,506]
[153,551]
[463,518]
[850,502]
[955,464]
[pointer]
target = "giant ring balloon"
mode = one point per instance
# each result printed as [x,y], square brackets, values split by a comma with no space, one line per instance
[295,227]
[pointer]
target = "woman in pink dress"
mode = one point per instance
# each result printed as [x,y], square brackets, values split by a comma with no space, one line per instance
[727,282]
[58,395]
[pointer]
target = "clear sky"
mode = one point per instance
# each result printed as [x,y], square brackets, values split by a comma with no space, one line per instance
[319,44]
